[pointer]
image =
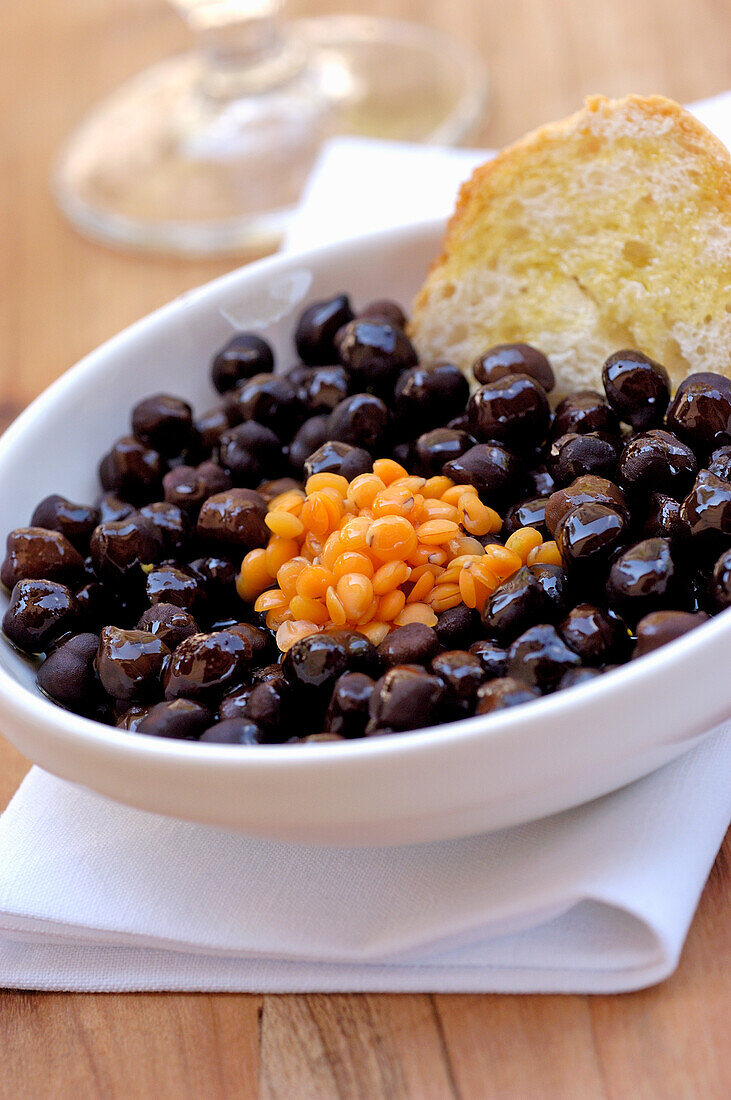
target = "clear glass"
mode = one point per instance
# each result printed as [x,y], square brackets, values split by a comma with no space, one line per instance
[208,152]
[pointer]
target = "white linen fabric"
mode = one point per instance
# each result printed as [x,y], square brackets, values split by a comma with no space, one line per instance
[98,896]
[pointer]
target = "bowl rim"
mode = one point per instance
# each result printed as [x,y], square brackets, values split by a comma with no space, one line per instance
[32,706]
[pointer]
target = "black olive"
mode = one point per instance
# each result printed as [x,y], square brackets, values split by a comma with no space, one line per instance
[513,410]
[504,359]
[637,388]
[241,357]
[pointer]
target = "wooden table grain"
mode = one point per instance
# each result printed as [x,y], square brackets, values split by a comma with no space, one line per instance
[59,297]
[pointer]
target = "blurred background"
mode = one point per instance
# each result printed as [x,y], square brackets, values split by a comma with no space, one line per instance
[61,295]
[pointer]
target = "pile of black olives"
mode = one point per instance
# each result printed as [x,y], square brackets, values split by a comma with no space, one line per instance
[129,605]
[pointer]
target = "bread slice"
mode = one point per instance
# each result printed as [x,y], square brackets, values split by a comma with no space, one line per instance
[609,230]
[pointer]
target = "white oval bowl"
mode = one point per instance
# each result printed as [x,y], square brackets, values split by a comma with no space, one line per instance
[453,780]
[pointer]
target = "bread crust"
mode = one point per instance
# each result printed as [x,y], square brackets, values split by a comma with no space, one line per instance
[593,133]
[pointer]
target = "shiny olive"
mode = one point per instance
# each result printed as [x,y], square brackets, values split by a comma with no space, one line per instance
[270,399]
[164,423]
[427,397]
[241,357]
[701,411]
[33,553]
[38,614]
[406,698]
[503,693]
[657,462]
[130,663]
[334,457]
[75,521]
[706,510]
[590,533]
[347,712]
[205,666]
[68,674]
[504,359]
[637,388]
[660,627]
[513,410]
[574,455]
[435,448]
[540,657]
[373,352]
[645,578]
[133,470]
[362,420]
[181,719]
[584,411]
[249,452]
[493,470]
[588,489]
[314,336]
[598,637]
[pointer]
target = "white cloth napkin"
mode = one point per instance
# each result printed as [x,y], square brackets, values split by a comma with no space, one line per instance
[98,896]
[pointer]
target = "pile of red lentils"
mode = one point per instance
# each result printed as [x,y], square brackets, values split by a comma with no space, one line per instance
[378,552]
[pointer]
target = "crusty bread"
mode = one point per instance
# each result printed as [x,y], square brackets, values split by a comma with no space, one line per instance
[611,229]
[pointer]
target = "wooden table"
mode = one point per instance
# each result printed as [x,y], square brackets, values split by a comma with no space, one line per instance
[59,297]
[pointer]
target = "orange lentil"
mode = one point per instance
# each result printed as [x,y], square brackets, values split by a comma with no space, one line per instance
[314,611]
[437,531]
[331,550]
[278,552]
[312,583]
[343,553]
[547,554]
[354,533]
[355,593]
[475,516]
[335,608]
[413,483]
[422,588]
[391,537]
[502,561]
[271,600]
[277,616]
[438,509]
[312,546]
[464,545]
[454,494]
[288,573]
[450,574]
[284,524]
[327,481]
[462,559]
[391,605]
[375,631]
[291,501]
[368,614]
[363,489]
[352,562]
[436,486]
[389,576]
[290,632]
[416,613]
[444,596]
[523,541]
[467,588]
[420,556]
[437,555]
[395,500]
[495,521]
[388,470]
[254,576]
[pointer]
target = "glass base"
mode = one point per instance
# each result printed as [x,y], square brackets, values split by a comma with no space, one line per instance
[174,162]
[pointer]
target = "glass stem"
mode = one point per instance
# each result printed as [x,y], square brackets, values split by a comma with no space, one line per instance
[243,43]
